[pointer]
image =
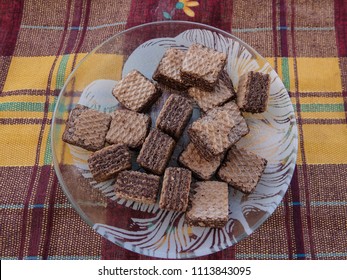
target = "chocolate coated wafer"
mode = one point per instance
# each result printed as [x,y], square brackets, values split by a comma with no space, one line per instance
[242,169]
[174,115]
[202,66]
[208,204]
[135,92]
[128,127]
[86,128]
[253,92]
[175,189]
[194,161]
[109,161]
[156,151]
[168,70]
[137,186]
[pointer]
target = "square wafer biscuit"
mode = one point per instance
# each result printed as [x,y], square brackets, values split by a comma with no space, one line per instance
[175,189]
[242,169]
[202,168]
[156,152]
[208,204]
[137,186]
[253,92]
[109,161]
[202,66]
[221,93]
[168,70]
[174,115]
[135,92]
[86,128]
[241,128]
[128,127]
[210,134]
[238,131]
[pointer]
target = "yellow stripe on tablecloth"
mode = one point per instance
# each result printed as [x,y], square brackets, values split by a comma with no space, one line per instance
[93,69]
[18,144]
[33,72]
[321,100]
[26,98]
[28,73]
[314,74]
[323,143]
[319,74]
[24,115]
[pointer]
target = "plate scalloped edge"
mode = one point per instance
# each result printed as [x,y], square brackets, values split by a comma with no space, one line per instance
[273,135]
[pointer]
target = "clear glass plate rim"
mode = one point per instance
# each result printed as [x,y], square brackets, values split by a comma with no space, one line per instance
[172,22]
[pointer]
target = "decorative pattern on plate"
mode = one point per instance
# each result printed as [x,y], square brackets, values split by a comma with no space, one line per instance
[273,135]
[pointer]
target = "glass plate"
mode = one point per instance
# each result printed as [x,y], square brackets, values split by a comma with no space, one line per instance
[146,229]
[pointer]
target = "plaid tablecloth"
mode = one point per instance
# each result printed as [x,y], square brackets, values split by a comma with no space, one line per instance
[42,40]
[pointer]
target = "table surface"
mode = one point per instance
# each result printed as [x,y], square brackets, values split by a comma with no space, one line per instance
[40,44]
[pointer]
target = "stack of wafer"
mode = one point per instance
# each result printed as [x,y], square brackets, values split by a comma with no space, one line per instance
[211,155]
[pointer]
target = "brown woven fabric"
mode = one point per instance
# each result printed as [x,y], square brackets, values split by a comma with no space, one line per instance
[42,41]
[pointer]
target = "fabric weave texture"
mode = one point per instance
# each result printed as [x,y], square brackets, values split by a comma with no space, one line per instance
[42,41]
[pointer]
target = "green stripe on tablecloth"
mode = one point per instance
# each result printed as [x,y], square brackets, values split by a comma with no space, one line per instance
[285,73]
[61,72]
[74,257]
[320,108]
[48,151]
[25,106]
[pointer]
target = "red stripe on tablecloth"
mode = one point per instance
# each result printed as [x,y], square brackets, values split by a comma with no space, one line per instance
[10,19]
[35,167]
[341,26]
[302,151]
[217,13]
[32,92]
[286,205]
[298,229]
[299,239]
[287,225]
[141,12]
[76,20]
[37,213]
[344,96]
[17,121]
[341,38]
[283,29]
[50,213]
[274,30]
[83,33]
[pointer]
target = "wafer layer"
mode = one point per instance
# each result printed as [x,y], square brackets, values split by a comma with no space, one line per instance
[128,127]
[135,92]
[221,93]
[242,169]
[137,186]
[175,189]
[208,204]
[202,66]
[109,161]
[210,134]
[87,128]
[194,161]
[156,151]
[168,70]
[253,92]
[174,115]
